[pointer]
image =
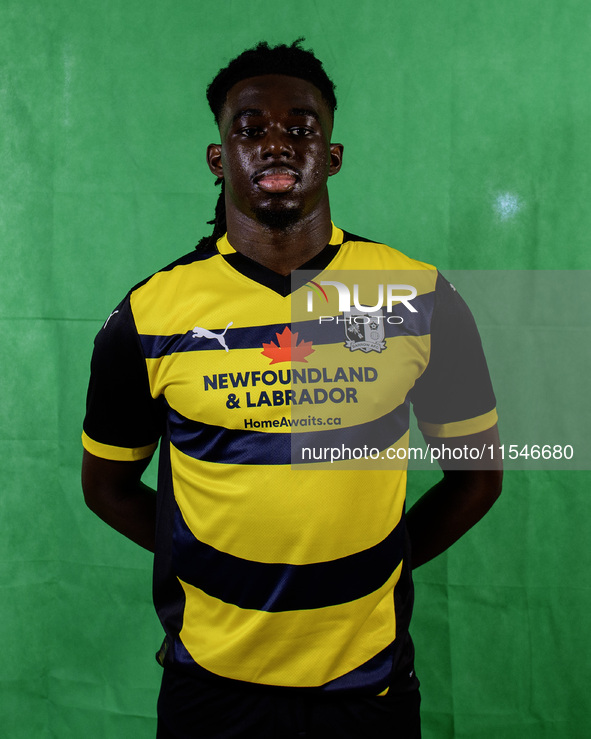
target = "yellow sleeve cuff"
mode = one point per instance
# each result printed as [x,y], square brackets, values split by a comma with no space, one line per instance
[116,453]
[460,428]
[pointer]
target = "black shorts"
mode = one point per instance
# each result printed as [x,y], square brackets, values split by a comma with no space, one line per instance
[190,708]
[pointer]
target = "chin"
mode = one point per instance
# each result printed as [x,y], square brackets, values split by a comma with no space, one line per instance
[280,219]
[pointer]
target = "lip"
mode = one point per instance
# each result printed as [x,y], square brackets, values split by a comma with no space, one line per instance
[276,178]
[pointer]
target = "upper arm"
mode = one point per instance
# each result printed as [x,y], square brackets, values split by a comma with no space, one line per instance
[104,479]
[473,461]
[114,491]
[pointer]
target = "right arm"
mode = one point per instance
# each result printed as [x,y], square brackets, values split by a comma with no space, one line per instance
[114,491]
[122,425]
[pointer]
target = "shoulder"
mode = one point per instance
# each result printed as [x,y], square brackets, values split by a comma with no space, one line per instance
[384,264]
[178,268]
[372,254]
[171,290]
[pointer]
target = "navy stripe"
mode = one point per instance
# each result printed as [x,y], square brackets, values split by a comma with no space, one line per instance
[253,337]
[235,446]
[227,446]
[161,346]
[278,587]
[415,324]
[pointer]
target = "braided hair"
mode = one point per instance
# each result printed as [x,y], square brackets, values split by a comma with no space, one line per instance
[263,59]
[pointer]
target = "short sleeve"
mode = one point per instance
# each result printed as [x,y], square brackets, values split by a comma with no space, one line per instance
[454,395]
[123,421]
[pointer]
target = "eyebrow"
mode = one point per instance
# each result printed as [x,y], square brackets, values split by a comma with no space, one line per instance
[256,112]
[305,112]
[247,113]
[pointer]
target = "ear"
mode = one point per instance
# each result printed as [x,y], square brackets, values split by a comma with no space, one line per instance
[336,159]
[214,159]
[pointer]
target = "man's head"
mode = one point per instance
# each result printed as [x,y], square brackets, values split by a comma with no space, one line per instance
[292,61]
[274,107]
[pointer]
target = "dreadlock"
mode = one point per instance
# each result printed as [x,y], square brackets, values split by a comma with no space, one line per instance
[262,59]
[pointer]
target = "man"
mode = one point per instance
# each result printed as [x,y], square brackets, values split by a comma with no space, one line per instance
[285,595]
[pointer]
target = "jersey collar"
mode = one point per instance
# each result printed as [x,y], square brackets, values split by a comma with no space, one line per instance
[281,284]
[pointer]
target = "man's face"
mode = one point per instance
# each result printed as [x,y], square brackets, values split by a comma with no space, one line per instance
[275,156]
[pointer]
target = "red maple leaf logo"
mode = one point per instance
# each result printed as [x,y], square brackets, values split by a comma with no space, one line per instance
[287,348]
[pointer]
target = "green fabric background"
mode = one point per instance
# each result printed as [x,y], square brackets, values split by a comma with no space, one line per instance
[466,132]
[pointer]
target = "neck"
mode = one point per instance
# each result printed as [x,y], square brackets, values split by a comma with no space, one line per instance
[280,249]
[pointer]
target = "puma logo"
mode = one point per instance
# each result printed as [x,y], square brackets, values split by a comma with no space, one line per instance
[204,333]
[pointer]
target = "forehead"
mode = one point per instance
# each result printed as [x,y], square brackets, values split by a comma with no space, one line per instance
[274,94]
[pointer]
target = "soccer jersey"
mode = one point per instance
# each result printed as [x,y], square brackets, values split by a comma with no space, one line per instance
[276,563]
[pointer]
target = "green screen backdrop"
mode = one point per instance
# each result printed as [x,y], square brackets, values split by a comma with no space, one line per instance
[466,131]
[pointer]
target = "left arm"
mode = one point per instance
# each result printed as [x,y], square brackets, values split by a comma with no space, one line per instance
[452,506]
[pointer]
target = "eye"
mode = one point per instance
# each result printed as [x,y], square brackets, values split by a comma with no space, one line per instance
[251,132]
[300,131]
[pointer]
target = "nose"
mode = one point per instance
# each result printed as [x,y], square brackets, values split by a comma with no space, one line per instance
[276,144]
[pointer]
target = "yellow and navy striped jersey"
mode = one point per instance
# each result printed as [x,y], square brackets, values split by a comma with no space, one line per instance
[274,565]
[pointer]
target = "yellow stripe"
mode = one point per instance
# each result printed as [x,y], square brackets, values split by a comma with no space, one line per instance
[242,303]
[271,514]
[460,428]
[116,453]
[355,255]
[291,648]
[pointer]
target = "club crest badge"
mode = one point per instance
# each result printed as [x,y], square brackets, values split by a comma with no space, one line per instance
[364,331]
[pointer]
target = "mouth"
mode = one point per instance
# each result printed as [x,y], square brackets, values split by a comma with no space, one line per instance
[276,179]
